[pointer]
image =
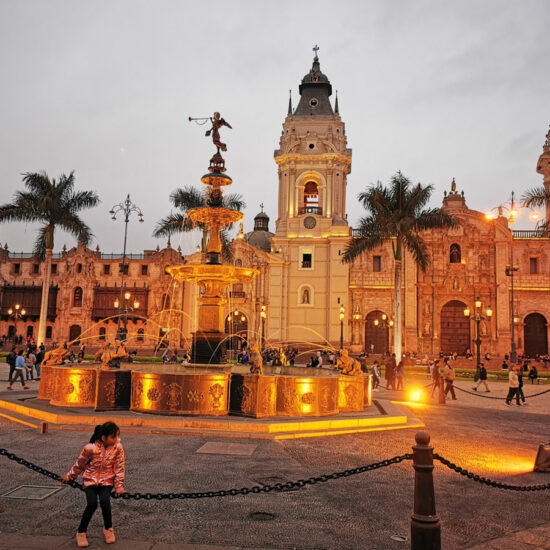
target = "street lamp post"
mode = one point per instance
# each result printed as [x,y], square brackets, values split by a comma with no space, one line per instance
[263,315]
[342,314]
[126,208]
[17,312]
[123,312]
[478,317]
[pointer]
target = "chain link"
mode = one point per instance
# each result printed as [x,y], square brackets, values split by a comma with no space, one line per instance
[495,397]
[277,487]
[489,482]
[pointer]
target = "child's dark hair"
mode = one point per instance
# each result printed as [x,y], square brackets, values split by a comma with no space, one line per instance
[107,429]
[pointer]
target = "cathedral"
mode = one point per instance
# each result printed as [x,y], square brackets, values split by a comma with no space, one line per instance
[304,294]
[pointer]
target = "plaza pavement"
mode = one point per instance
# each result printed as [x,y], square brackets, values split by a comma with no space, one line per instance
[361,511]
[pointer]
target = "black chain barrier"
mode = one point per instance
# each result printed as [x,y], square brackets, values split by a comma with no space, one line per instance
[489,482]
[496,397]
[277,487]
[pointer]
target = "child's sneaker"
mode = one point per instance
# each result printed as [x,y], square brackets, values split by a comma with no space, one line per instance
[81,540]
[25,387]
[109,535]
[10,388]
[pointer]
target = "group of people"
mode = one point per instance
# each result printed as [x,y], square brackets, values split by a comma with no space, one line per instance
[515,386]
[25,363]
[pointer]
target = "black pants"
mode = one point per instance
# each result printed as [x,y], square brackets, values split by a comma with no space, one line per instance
[104,494]
[17,373]
[512,392]
[450,388]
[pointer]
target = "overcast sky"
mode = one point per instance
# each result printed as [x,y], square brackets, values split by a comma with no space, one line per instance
[436,89]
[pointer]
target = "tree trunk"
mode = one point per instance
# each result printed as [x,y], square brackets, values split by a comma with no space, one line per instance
[397,322]
[45,296]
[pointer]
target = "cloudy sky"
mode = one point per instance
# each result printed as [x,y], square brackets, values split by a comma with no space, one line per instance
[436,89]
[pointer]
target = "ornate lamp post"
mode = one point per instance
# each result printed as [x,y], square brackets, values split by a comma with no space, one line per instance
[126,208]
[263,315]
[123,312]
[16,312]
[342,315]
[512,210]
[478,317]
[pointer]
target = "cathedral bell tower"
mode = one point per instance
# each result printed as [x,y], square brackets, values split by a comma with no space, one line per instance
[312,229]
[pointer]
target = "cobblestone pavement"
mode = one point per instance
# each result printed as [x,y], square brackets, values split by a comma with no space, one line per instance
[361,511]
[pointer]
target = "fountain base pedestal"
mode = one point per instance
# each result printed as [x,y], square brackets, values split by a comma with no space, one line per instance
[207,347]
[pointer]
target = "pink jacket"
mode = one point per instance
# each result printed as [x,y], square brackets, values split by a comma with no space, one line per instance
[101,466]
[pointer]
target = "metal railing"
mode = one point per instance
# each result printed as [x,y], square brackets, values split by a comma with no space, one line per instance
[310,210]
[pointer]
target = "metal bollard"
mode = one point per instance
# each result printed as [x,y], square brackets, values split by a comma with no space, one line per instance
[43,427]
[441,391]
[425,524]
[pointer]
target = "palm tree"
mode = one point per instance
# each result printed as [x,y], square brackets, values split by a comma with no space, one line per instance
[537,197]
[396,214]
[53,204]
[189,198]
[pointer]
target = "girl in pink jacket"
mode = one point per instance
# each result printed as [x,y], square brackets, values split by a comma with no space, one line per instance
[102,462]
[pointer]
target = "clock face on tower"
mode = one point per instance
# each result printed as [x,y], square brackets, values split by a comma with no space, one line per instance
[310,222]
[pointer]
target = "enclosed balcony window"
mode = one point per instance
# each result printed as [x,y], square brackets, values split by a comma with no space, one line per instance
[77,297]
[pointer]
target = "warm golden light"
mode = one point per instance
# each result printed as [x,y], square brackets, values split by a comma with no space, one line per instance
[478,303]
[391,323]
[117,303]
[10,311]
[384,316]
[126,295]
[489,312]
[376,322]
[489,216]
[136,304]
[535,216]
[243,318]
[513,213]
[198,248]
[23,312]
[466,312]
[416,395]
[17,306]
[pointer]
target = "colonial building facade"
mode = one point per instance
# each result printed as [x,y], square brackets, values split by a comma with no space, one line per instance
[303,287]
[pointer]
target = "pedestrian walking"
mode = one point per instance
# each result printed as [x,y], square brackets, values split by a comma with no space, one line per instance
[38,365]
[376,376]
[19,370]
[103,464]
[533,374]
[513,385]
[449,375]
[520,394]
[30,362]
[400,375]
[436,375]
[481,374]
[10,360]
[390,372]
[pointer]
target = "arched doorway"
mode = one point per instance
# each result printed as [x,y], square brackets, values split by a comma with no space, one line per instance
[74,332]
[455,328]
[377,333]
[535,335]
[236,327]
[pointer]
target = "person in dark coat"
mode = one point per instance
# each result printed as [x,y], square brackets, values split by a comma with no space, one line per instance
[391,366]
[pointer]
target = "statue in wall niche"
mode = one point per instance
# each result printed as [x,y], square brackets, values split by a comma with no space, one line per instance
[256,360]
[427,328]
[483,328]
[427,308]
[56,356]
[349,366]
[456,284]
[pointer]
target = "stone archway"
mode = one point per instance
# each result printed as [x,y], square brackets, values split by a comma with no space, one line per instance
[377,334]
[535,335]
[454,335]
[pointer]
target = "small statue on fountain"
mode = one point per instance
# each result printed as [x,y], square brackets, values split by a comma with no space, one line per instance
[256,360]
[217,123]
[56,356]
[111,358]
[349,366]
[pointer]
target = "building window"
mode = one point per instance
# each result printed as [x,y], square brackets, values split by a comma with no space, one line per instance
[377,263]
[36,269]
[79,268]
[123,269]
[145,270]
[54,269]
[77,297]
[238,263]
[106,269]
[30,331]
[140,334]
[454,254]
[311,198]
[533,266]
[17,268]
[102,333]
[306,260]
[48,333]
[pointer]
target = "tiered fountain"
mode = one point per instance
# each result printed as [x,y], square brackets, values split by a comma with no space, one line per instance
[204,388]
